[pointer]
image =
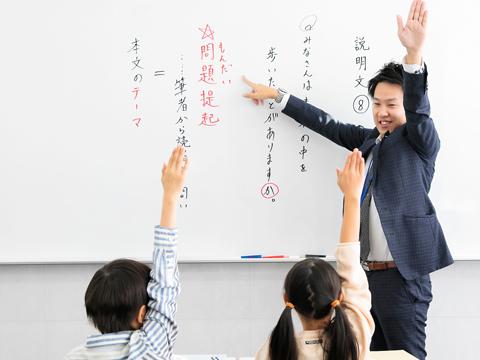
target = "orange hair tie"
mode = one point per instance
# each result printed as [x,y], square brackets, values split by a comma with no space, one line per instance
[289,305]
[335,303]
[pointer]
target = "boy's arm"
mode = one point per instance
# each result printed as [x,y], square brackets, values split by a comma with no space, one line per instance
[159,330]
[173,179]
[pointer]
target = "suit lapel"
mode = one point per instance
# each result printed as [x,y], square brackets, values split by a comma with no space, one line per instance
[367,146]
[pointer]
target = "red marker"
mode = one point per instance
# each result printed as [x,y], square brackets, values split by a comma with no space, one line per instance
[275,257]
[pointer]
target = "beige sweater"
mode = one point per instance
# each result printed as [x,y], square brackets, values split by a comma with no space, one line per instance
[356,302]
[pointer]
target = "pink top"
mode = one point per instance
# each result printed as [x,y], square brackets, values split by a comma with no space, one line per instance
[356,302]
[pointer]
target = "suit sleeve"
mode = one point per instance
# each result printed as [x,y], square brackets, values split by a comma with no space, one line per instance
[346,135]
[421,132]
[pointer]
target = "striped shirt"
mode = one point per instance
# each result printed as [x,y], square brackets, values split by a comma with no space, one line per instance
[156,338]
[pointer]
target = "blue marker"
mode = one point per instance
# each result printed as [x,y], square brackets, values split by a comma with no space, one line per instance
[251,256]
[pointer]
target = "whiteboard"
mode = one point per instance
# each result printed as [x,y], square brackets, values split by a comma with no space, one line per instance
[81,181]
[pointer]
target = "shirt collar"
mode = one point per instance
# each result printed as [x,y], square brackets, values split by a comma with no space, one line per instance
[380,137]
[118,338]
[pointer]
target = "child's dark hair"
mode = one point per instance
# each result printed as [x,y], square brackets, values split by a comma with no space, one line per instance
[390,73]
[311,286]
[116,293]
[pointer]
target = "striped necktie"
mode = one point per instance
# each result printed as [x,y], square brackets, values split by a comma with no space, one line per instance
[366,199]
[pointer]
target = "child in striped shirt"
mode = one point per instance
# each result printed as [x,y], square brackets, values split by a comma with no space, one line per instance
[132,306]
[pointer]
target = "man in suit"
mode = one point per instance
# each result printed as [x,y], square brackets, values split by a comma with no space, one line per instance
[401,239]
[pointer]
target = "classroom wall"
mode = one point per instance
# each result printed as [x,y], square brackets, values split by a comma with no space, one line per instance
[68,109]
[225,308]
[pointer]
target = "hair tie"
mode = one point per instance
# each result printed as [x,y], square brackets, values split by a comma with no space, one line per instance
[289,305]
[334,303]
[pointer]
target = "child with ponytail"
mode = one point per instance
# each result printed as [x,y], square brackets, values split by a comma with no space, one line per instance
[333,306]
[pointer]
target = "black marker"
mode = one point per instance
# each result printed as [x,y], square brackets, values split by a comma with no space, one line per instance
[315,256]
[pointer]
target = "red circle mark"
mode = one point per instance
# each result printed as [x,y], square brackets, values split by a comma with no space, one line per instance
[269,190]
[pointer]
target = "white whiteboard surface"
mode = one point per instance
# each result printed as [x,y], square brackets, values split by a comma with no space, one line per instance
[80,182]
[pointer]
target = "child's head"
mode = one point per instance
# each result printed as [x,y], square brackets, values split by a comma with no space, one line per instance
[311,287]
[116,298]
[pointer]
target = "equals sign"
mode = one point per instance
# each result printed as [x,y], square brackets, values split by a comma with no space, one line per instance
[159,73]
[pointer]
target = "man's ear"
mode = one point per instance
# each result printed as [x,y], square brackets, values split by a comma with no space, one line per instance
[285,298]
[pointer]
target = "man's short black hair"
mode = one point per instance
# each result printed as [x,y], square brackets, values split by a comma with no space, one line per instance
[390,73]
[116,293]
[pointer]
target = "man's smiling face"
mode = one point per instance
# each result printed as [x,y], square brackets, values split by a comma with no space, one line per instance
[388,111]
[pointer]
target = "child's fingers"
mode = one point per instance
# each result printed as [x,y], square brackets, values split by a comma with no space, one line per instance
[185,167]
[360,163]
[182,158]
[171,159]
[353,161]
[179,158]
[174,159]
[347,162]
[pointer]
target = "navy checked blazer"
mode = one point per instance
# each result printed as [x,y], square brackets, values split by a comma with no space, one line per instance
[405,167]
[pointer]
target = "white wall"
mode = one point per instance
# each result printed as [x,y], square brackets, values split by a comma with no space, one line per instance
[68,109]
[225,308]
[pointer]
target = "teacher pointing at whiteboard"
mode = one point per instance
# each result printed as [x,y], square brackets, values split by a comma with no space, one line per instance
[401,239]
